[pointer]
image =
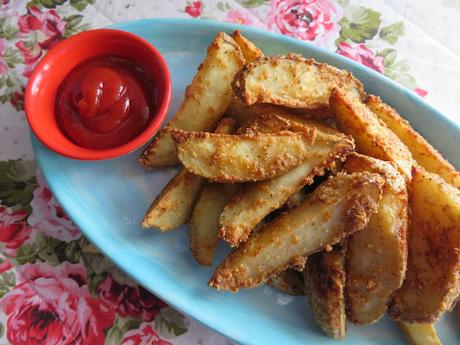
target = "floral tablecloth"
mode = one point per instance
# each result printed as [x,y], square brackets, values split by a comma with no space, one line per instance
[55,287]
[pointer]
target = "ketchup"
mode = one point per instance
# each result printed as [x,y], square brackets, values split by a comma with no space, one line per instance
[105,102]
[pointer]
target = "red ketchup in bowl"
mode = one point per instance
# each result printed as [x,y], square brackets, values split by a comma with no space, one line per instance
[105,102]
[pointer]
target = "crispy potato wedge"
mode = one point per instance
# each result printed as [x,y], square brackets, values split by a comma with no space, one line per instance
[292,81]
[324,285]
[339,207]
[432,282]
[242,112]
[250,51]
[204,224]
[373,138]
[289,281]
[377,256]
[420,333]
[174,206]
[257,200]
[242,158]
[422,151]
[206,99]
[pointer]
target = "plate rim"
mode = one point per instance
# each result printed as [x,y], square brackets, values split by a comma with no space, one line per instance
[208,25]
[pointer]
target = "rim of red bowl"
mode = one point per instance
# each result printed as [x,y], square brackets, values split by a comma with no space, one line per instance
[165,91]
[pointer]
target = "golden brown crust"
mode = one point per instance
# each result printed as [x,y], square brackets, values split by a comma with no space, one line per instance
[244,157]
[248,208]
[205,101]
[174,206]
[432,281]
[422,151]
[377,256]
[204,224]
[282,80]
[250,51]
[371,135]
[340,206]
[324,286]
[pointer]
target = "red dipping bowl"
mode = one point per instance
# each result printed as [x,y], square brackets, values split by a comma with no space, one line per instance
[49,73]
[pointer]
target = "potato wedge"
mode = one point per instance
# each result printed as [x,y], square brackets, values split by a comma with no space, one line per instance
[242,158]
[422,151]
[250,51]
[373,138]
[324,285]
[174,206]
[377,256]
[204,224]
[206,99]
[257,200]
[289,281]
[432,282]
[420,333]
[339,207]
[242,112]
[292,81]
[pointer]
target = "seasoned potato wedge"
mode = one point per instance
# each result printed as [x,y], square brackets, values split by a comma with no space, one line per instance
[206,99]
[420,333]
[339,207]
[289,281]
[373,138]
[257,200]
[432,281]
[174,206]
[292,81]
[425,154]
[324,286]
[250,51]
[242,112]
[204,224]
[241,158]
[377,256]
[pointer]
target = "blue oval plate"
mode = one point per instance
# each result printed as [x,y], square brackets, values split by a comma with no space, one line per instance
[107,200]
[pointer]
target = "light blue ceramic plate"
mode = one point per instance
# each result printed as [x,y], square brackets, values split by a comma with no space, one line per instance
[108,199]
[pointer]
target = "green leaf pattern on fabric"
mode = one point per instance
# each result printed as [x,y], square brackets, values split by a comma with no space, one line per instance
[391,33]
[360,24]
[170,323]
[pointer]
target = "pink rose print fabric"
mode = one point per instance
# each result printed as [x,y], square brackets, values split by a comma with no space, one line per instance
[360,53]
[308,20]
[144,335]
[52,305]
[49,217]
[49,28]
[14,230]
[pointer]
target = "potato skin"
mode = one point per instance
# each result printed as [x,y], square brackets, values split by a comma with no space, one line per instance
[432,281]
[324,285]
[250,51]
